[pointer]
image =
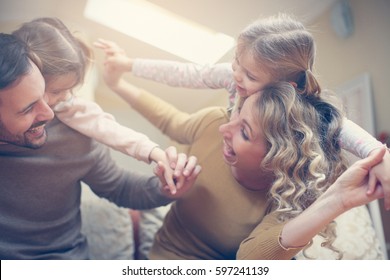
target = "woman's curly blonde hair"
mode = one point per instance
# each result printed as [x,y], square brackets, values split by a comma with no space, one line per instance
[303,148]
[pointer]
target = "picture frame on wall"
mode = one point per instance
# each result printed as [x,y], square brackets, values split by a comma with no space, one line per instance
[357,98]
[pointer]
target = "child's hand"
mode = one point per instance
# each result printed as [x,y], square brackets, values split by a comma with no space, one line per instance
[186,182]
[380,174]
[177,167]
[180,163]
[116,62]
[115,55]
[353,187]
[158,156]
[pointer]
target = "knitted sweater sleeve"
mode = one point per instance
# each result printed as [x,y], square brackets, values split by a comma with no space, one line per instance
[180,126]
[263,242]
[126,188]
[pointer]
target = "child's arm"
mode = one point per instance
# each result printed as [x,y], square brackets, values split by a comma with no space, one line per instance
[356,140]
[186,75]
[176,74]
[359,142]
[89,119]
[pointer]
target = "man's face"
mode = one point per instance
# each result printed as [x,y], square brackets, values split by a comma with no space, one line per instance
[24,111]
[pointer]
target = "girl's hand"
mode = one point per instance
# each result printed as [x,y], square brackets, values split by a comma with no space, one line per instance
[380,174]
[353,188]
[109,47]
[186,182]
[116,62]
[176,166]
[180,163]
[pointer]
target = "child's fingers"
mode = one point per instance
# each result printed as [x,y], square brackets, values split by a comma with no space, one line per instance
[107,50]
[110,48]
[172,187]
[367,163]
[180,182]
[168,177]
[374,158]
[171,154]
[372,182]
[102,44]
[98,45]
[158,171]
[105,43]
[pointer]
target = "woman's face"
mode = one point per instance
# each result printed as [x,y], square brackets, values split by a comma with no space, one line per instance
[244,144]
[59,88]
[249,75]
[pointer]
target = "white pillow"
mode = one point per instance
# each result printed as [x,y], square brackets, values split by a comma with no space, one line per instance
[356,238]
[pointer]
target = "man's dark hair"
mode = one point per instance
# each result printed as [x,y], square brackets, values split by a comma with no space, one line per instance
[14,60]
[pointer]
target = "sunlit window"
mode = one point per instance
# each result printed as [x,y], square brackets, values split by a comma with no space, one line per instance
[159,27]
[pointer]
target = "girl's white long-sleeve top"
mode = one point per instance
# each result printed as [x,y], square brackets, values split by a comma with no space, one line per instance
[89,119]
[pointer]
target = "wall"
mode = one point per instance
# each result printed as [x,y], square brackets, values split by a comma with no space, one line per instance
[366,50]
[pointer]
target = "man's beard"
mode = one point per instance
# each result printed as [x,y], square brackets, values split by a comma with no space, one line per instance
[21,140]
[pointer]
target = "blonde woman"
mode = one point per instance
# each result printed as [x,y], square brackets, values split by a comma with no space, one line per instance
[263,170]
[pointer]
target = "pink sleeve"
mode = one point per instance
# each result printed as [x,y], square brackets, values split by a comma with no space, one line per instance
[187,75]
[356,140]
[89,119]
